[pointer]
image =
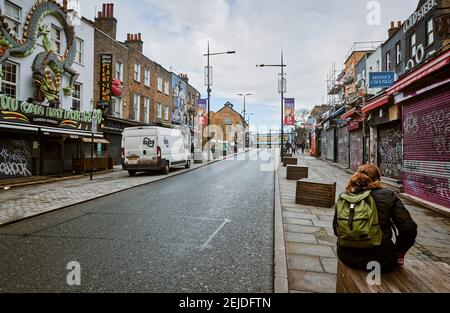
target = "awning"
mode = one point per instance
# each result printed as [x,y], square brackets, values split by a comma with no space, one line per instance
[65,131]
[348,114]
[420,73]
[338,112]
[376,103]
[18,126]
[96,140]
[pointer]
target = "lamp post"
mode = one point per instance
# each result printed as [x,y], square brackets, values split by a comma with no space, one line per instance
[244,95]
[282,91]
[208,73]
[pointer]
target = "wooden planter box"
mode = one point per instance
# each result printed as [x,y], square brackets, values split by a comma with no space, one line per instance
[296,172]
[290,161]
[287,155]
[313,192]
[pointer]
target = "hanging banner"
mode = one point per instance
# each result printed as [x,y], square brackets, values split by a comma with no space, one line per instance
[106,61]
[202,114]
[289,112]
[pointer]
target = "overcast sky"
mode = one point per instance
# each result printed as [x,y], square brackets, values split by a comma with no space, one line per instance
[312,34]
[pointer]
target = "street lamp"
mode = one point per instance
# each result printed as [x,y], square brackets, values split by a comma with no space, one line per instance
[282,91]
[208,73]
[244,95]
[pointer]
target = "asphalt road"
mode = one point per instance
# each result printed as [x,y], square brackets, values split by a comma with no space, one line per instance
[208,230]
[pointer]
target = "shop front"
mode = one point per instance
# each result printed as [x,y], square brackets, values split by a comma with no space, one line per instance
[424,96]
[39,140]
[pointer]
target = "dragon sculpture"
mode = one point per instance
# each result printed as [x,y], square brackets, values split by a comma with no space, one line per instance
[48,66]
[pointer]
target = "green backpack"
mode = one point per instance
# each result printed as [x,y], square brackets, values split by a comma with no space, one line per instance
[357,221]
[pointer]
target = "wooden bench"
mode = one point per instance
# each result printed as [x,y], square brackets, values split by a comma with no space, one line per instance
[317,193]
[290,161]
[415,277]
[287,155]
[296,172]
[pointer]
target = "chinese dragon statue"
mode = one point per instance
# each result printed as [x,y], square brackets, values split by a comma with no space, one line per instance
[48,66]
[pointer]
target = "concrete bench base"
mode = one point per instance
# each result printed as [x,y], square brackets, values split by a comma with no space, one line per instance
[415,277]
[312,192]
[296,172]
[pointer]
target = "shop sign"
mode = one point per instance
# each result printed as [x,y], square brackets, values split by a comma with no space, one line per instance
[106,61]
[12,110]
[381,79]
[420,14]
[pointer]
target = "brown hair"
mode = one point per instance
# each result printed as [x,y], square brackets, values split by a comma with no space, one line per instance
[368,177]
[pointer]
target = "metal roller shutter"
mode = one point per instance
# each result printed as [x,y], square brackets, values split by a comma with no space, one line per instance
[426,129]
[356,149]
[342,137]
[390,150]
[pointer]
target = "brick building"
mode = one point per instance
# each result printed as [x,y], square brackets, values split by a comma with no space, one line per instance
[141,89]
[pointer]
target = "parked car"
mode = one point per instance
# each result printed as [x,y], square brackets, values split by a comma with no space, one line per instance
[150,148]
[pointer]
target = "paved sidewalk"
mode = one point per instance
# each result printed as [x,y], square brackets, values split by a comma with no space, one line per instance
[24,202]
[311,244]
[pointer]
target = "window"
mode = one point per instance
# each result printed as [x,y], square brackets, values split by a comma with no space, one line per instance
[159,110]
[118,71]
[166,88]
[147,110]
[388,61]
[147,78]
[166,113]
[117,106]
[56,38]
[10,79]
[137,72]
[398,49]
[430,34]
[76,97]
[137,105]
[160,84]
[13,15]
[80,48]
[413,42]
[378,66]
[189,97]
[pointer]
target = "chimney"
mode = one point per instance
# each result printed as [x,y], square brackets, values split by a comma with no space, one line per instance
[393,29]
[105,20]
[184,78]
[135,41]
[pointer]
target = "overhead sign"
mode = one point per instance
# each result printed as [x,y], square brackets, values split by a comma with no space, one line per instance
[381,79]
[289,112]
[106,61]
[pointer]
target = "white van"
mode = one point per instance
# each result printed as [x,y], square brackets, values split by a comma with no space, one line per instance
[150,148]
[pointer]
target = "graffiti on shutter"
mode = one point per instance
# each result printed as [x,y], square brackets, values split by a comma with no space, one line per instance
[391,151]
[328,145]
[356,149]
[342,134]
[15,158]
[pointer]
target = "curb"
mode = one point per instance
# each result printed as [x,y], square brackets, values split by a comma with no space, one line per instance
[280,262]
[429,205]
[112,193]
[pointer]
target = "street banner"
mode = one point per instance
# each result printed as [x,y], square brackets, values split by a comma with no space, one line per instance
[289,112]
[202,114]
[381,79]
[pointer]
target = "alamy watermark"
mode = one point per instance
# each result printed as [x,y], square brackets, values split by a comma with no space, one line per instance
[73,277]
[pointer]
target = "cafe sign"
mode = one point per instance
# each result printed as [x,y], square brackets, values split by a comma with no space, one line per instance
[12,110]
[106,61]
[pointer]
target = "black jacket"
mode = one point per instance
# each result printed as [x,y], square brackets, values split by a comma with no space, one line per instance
[391,212]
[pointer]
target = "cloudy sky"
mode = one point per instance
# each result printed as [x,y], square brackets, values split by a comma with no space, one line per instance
[312,34]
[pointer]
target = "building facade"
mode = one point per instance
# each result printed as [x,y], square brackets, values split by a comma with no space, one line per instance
[46,111]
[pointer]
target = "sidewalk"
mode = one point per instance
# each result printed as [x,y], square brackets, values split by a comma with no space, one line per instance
[310,242]
[27,201]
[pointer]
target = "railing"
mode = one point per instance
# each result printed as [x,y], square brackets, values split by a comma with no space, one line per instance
[363,46]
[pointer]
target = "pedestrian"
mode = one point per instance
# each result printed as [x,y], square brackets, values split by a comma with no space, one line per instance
[294,148]
[366,218]
[302,146]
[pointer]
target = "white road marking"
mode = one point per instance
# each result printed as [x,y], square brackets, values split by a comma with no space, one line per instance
[206,244]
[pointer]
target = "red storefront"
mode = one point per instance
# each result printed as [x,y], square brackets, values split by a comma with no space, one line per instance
[425,99]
